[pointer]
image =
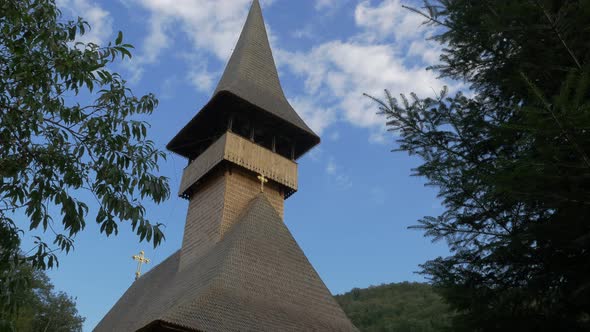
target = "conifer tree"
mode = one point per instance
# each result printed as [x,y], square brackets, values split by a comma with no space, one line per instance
[511,163]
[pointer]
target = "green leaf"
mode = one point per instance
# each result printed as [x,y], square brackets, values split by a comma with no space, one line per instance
[119,39]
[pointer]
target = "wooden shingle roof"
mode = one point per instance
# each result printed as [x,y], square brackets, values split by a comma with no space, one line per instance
[256,279]
[250,78]
[251,72]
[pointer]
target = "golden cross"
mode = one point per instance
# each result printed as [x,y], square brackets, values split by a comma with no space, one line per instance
[263,180]
[140,260]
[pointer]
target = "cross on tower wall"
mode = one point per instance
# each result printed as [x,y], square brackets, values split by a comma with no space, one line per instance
[217,205]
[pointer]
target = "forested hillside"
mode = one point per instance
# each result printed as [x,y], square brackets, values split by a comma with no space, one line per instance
[404,307]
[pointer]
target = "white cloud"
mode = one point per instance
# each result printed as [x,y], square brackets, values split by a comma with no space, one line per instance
[316,117]
[388,18]
[340,178]
[315,154]
[99,19]
[155,42]
[344,181]
[331,167]
[334,136]
[336,74]
[427,50]
[167,88]
[388,52]
[212,27]
[201,78]
[304,33]
[324,4]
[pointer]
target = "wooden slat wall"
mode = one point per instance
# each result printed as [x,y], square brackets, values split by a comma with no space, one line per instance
[246,154]
[202,165]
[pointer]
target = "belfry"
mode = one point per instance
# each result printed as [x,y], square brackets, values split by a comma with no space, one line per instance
[239,268]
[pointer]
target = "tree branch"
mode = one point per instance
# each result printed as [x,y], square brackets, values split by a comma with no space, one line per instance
[556,31]
[428,17]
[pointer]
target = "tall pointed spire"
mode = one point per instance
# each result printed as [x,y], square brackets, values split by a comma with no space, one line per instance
[250,84]
[252,74]
[252,62]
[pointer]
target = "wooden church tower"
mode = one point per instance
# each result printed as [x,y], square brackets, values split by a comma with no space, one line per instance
[239,268]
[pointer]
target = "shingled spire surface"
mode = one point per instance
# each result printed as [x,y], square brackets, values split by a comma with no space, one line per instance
[250,76]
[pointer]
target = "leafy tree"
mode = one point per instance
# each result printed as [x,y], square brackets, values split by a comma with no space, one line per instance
[40,307]
[511,163]
[55,148]
[404,307]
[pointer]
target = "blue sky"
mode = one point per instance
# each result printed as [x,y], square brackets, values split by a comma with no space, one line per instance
[356,198]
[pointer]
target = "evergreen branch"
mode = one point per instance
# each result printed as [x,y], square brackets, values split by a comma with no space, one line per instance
[430,18]
[553,196]
[556,31]
[562,128]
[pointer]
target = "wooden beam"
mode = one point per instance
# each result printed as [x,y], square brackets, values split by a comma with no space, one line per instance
[230,123]
[293,151]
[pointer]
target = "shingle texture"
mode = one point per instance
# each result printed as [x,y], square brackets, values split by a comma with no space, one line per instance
[255,279]
[251,77]
[217,206]
[252,74]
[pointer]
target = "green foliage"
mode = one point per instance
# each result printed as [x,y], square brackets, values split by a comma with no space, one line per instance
[53,149]
[403,307]
[40,308]
[511,163]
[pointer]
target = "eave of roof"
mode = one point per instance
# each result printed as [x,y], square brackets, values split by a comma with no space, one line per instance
[252,76]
